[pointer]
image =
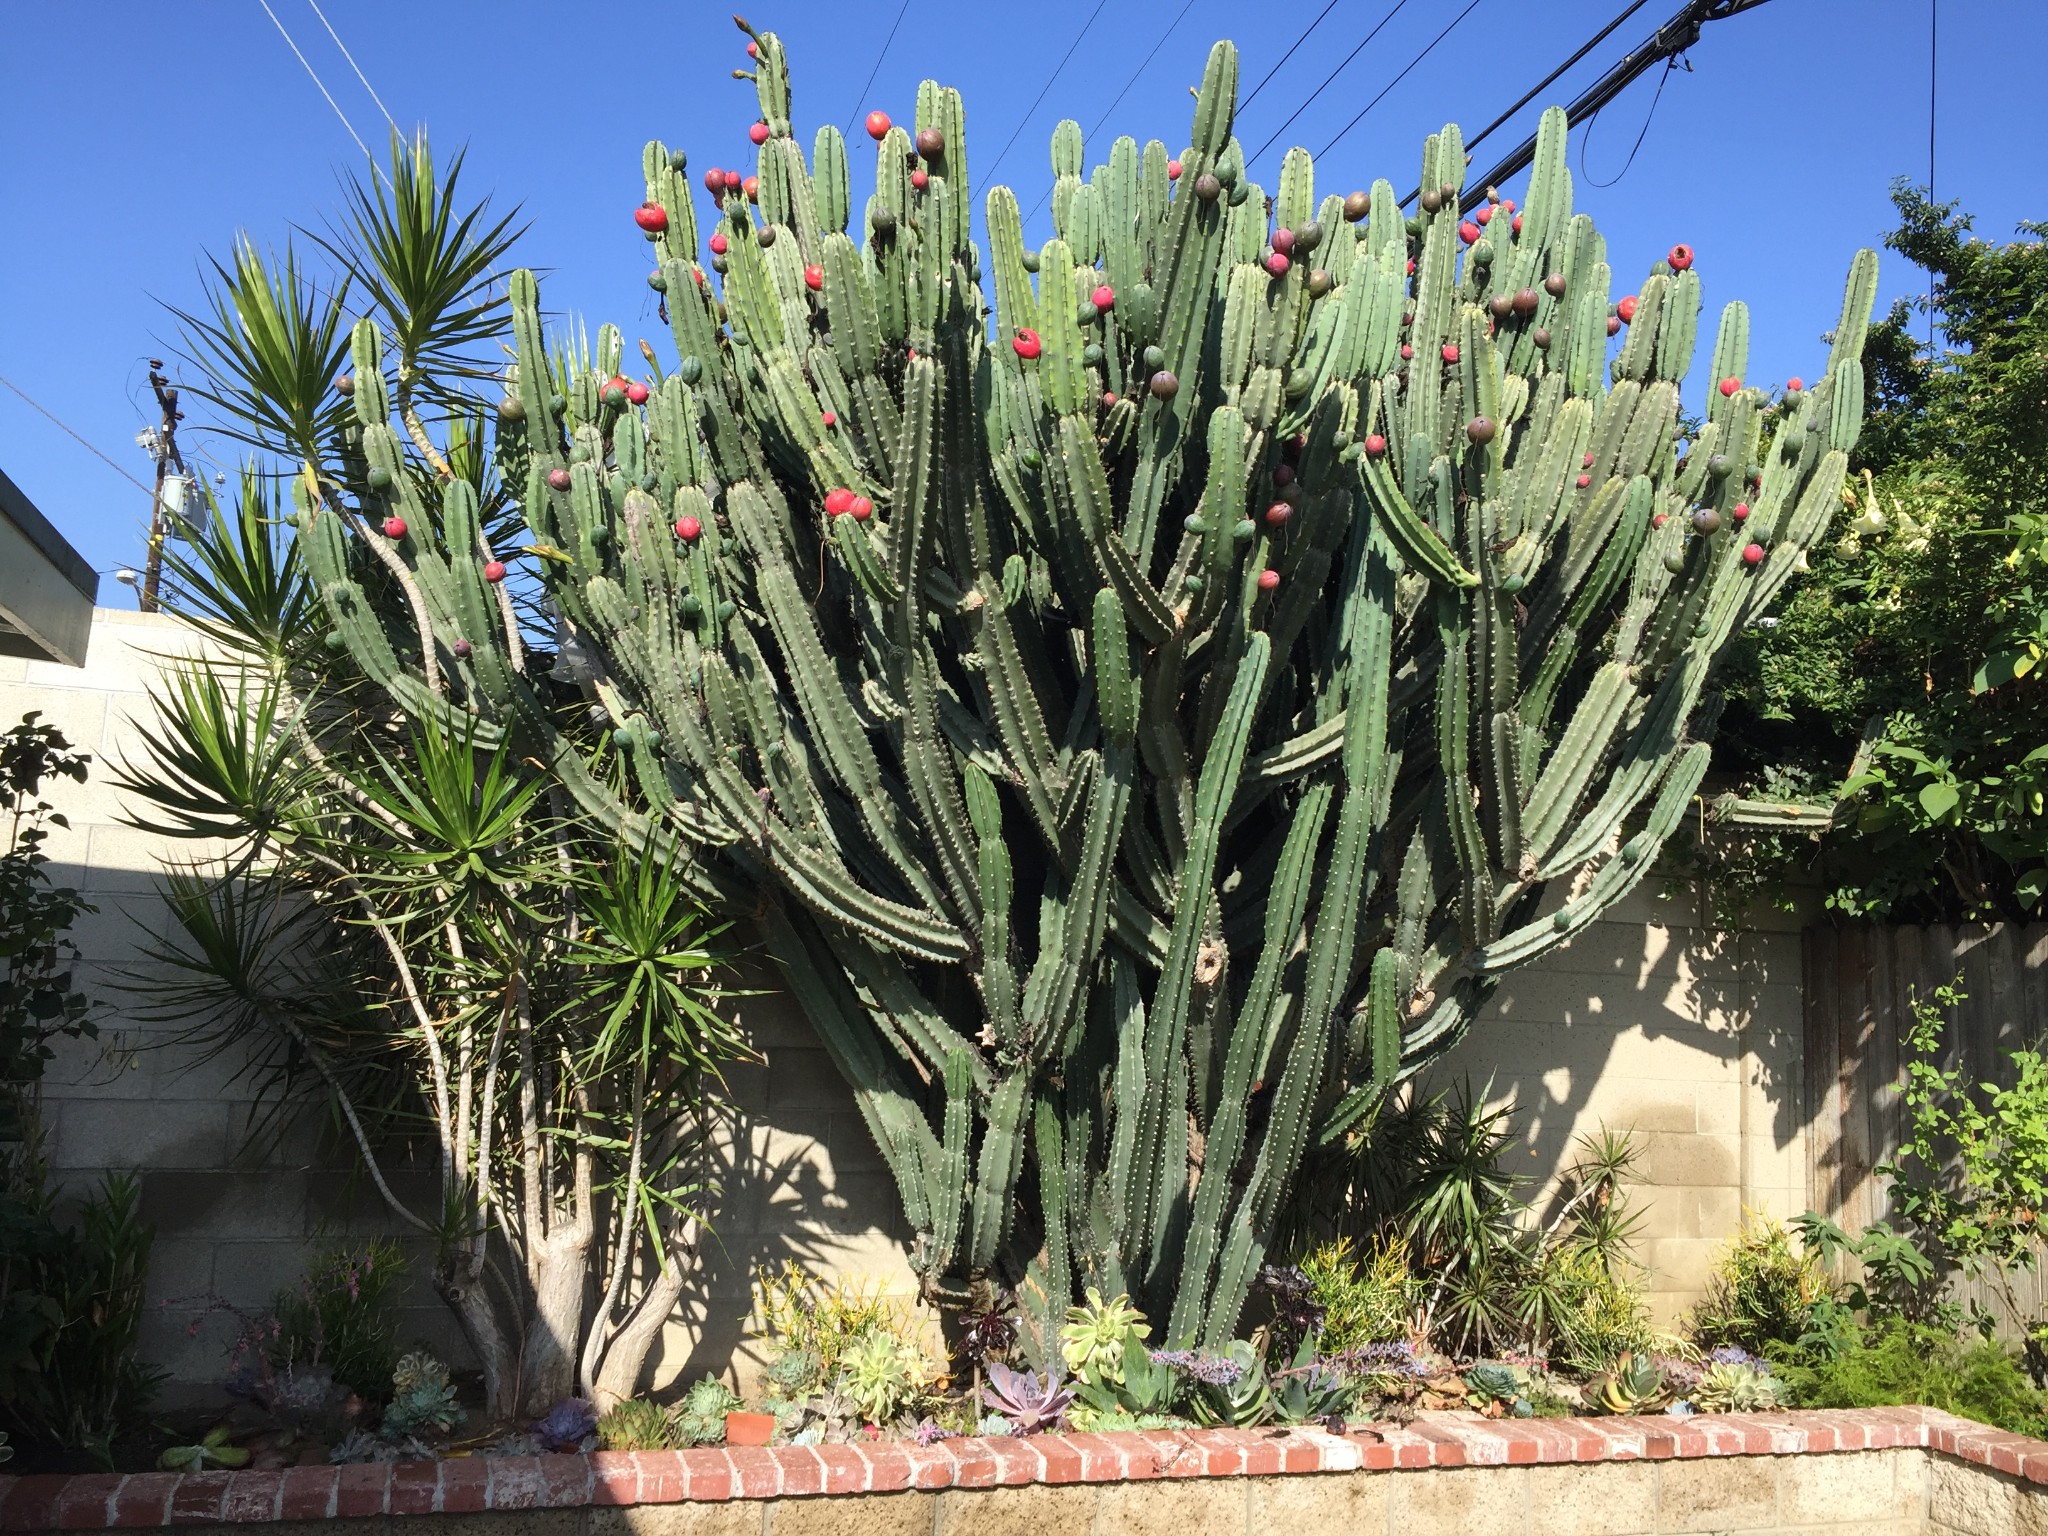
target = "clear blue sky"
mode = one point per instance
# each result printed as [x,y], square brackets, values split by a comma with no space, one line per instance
[138,137]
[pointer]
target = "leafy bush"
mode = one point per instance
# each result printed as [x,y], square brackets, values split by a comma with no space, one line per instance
[1762,1294]
[1373,1302]
[814,1328]
[342,1316]
[1902,1362]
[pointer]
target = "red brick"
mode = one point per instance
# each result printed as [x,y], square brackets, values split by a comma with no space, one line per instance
[467,1484]
[308,1494]
[846,1470]
[1017,1462]
[506,1482]
[1063,1463]
[756,1472]
[1379,1456]
[1222,1454]
[415,1487]
[198,1498]
[802,1472]
[1447,1449]
[253,1497]
[1299,1453]
[706,1474]
[86,1502]
[614,1477]
[363,1489]
[931,1466]
[888,1467]
[665,1478]
[1102,1460]
[564,1482]
[31,1501]
[144,1499]
[974,1464]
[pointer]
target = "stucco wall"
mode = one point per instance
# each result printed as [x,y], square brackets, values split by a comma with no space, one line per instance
[1651,1020]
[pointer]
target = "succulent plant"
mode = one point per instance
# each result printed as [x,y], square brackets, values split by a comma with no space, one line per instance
[1633,1384]
[1736,1387]
[1143,1385]
[1024,1402]
[565,1426]
[422,1399]
[699,1419]
[1240,1400]
[880,1376]
[1059,740]
[1312,1390]
[638,1425]
[1498,1390]
[1092,1341]
[211,1451]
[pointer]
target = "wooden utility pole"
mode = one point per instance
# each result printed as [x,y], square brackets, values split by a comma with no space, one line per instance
[167,459]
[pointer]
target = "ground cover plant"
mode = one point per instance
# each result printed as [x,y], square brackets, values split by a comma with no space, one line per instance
[1140,688]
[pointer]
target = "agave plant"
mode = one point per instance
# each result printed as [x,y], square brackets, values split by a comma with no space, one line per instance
[1092,1342]
[1633,1384]
[1027,1404]
[1144,1385]
[1239,1397]
[1736,1386]
[1312,1389]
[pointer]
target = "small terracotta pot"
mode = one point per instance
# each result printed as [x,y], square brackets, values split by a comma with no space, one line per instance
[749,1428]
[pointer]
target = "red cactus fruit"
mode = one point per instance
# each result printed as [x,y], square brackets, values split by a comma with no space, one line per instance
[1584,481]
[814,278]
[1108,398]
[1173,170]
[920,178]
[1407,352]
[1794,385]
[837,501]
[494,571]
[860,509]
[878,125]
[1283,241]
[1626,309]
[1739,511]
[687,529]
[1268,580]
[829,419]
[1480,430]
[1586,462]
[1026,343]
[1482,215]
[1680,257]
[1729,385]
[1507,205]
[1468,232]
[1375,447]
[1103,298]
[1278,513]
[461,648]
[732,181]
[637,392]
[1450,352]
[714,181]
[718,244]
[752,187]
[1752,554]
[753,50]
[1411,266]
[758,133]
[1660,519]
[1614,325]
[1278,264]
[1515,224]
[651,217]
[559,479]
[394,527]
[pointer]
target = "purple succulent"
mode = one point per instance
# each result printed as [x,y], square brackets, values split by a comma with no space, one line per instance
[567,1424]
[1031,1406]
[931,1433]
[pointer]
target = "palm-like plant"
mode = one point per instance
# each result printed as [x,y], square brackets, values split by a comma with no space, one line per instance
[408,927]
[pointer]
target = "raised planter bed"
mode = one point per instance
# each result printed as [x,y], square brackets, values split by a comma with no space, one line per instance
[1870,1471]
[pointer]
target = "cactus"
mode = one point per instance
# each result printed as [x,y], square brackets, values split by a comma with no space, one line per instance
[1122,840]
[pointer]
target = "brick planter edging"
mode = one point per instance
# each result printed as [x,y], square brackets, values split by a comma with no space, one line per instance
[102,1501]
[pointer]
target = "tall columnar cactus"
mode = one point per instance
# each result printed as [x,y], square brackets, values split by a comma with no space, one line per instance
[1253,622]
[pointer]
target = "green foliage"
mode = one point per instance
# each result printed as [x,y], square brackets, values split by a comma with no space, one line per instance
[422,1400]
[1899,688]
[343,1316]
[638,1425]
[881,1376]
[1762,1292]
[1500,1388]
[71,1295]
[210,1452]
[1633,1384]
[1897,1361]
[1736,1386]
[1368,1302]
[1098,1335]
[699,1419]
[1240,1400]
[1139,1386]
[815,1329]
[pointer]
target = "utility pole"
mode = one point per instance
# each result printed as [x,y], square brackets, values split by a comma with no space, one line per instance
[165,448]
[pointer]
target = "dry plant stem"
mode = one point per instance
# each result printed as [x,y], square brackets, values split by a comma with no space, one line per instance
[629,1227]
[623,1361]
[413,426]
[355,1125]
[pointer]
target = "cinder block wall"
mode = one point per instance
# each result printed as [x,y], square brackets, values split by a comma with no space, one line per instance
[1651,1020]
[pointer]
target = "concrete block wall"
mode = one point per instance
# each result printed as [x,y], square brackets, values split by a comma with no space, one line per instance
[1651,1020]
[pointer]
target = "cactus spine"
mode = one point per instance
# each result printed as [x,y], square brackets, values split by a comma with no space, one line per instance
[1082,800]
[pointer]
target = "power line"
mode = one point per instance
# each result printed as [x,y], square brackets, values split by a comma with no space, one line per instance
[1410,66]
[863,96]
[82,441]
[351,127]
[1143,63]
[1179,16]
[1269,74]
[1586,139]
[352,64]
[1552,78]
[1022,122]
[1333,74]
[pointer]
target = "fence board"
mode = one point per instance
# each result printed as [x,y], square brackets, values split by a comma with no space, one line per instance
[1860,984]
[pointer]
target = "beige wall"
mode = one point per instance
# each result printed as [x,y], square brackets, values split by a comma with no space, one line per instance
[1650,1020]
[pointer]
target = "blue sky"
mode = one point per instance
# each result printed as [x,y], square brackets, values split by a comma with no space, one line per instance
[139,137]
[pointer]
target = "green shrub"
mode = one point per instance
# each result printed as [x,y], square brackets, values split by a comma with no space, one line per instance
[1369,1303]
[1902,1362]
[342,1316]
[1761,1294]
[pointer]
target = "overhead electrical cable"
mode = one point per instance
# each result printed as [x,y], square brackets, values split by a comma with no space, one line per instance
[863,96]
[352,64]
[1396,10]
[1266,78]
[1025,120]
[1405,72]
[84,442]
[1179,17]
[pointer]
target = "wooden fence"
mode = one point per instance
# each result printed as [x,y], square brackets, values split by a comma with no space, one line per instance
[1859,985]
